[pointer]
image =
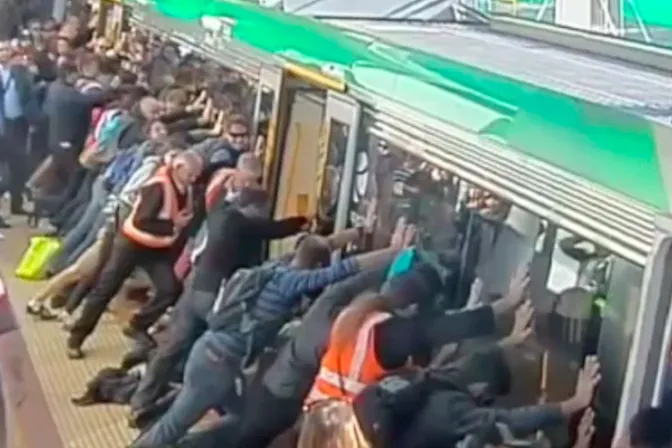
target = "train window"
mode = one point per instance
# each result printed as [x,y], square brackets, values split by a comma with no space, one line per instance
[586,298]
[266,103]
[333,172]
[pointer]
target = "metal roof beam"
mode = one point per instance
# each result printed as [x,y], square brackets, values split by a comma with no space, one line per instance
[628,51]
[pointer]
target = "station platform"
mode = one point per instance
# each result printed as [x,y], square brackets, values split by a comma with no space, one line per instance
[60,379]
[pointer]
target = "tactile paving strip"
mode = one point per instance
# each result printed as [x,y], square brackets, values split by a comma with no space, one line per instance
[99,426]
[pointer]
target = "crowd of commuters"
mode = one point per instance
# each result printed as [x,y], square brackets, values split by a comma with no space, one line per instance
[144,163]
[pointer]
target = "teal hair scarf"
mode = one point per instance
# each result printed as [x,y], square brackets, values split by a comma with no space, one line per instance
[403,263]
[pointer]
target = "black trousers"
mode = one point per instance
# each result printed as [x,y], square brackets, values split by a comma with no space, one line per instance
[188,324]
[124,258]
[13,151]
[266,416]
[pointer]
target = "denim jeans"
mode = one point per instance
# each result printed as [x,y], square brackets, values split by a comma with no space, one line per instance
[188,325]
[90,238]
[91,214]
[209,380]
[222,433]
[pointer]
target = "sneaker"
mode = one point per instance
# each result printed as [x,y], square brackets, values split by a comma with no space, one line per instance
[75,353]
[47,314]
[34,308]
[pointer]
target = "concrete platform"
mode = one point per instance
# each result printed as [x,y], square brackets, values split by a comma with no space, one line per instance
[60,379]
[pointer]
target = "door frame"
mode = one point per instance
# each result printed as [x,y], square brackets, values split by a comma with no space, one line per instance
[348,111]
[274,78]
[642,377]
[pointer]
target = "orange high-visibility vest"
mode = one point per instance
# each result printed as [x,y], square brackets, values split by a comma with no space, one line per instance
[169,211]
[346,370]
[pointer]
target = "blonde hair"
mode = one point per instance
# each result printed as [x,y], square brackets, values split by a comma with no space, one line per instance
[331,423]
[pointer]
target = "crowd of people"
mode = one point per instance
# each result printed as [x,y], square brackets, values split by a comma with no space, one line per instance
[146,168]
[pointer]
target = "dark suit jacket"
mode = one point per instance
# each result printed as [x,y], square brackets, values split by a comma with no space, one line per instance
[69,113]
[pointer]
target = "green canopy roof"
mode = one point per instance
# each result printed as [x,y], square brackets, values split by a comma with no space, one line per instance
[608,147]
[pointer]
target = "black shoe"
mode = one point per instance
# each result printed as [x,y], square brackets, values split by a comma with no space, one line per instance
[33,310]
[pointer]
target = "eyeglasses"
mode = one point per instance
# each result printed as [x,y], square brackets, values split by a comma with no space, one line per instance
[238,134]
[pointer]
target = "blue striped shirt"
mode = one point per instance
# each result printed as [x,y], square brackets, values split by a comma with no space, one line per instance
[279,297]
[12,102]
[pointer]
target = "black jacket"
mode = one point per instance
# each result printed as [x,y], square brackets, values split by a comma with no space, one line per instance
[71,128]
[235,241]
[434,409]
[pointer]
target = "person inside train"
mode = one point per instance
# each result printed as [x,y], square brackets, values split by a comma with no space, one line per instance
[236,227]
[236,338]
[152,237]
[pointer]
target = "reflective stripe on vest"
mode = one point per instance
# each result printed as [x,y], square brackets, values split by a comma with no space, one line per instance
[169,211]
[352,375]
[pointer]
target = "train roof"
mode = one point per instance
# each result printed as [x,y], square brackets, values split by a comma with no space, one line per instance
[599,126]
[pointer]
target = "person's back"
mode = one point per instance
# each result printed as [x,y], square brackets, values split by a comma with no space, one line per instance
[71,128]
[235,237]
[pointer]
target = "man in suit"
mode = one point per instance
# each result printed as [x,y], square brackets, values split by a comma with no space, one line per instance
[18,110]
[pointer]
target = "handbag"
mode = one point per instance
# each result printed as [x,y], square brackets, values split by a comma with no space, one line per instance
[33,264]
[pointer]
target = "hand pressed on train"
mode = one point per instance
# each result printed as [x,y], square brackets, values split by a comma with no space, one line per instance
[307,223]
[586,383]
[517,287]
[371,218]
[404,234]
[523,325]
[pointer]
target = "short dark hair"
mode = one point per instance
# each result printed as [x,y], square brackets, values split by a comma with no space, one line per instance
[66,69]
[313,251]
[238,120]
[650,428]
[176,96]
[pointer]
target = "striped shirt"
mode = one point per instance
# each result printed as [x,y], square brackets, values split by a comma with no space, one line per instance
[279,297]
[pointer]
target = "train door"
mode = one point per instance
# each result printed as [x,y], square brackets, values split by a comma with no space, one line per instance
[647,380]
[312,123]
[297,157]
[338,158]
[266,119]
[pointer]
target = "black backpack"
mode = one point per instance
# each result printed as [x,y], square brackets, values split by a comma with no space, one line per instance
[237,298]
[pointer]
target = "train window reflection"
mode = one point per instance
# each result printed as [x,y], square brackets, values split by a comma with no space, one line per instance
[333,172]
[586,298]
